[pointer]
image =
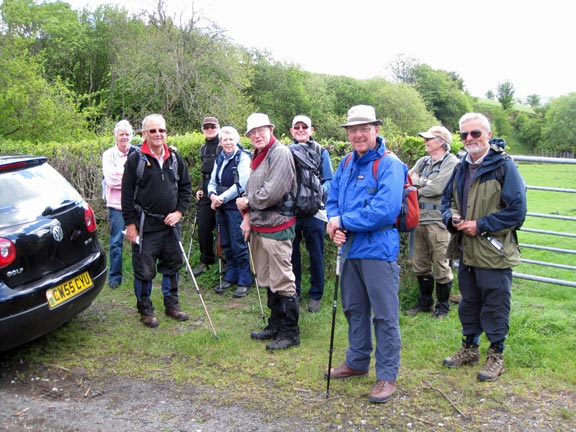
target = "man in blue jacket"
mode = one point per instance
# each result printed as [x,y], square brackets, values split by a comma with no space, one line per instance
[482,206]
[362,208]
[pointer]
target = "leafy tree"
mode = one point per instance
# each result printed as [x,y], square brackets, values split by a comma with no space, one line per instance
[559,131]
[442,94]
[506,95]
[490,95]
[533,100]
[402,105]
[528,129]
[32,108]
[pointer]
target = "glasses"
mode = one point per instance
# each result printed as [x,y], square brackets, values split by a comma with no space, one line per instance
[363,130]
[474,134]
[300,127]
[209,126]
[153,131]
[257,131]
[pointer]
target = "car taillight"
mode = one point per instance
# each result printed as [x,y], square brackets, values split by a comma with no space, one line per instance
[7,252]
[90,219]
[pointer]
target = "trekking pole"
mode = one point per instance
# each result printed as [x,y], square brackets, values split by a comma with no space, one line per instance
[219,246]
[193,232]
[178,238]
[334,307]
[253,268]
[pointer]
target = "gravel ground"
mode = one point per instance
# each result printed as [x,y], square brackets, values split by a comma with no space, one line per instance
[65,403]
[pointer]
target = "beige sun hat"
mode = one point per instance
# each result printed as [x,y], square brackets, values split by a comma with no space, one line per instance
[361,114]
[256,120]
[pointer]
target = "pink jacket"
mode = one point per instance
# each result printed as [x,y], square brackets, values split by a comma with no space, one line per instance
[113,161]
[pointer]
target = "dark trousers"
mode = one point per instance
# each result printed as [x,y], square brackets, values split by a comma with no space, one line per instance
[485,304]
[206,225]
[234,247]
[312,230]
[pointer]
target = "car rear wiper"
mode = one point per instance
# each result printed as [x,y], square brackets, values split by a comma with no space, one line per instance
[49,210]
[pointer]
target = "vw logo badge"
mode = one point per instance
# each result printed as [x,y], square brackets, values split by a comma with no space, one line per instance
[57,233]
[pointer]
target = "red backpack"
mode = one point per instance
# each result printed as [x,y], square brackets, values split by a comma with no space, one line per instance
[409,215]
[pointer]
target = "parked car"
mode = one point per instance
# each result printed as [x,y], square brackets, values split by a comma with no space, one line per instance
[52,265]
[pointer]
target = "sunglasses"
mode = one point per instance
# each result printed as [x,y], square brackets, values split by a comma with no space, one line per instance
[474,134]
[153,131]
[300,127]
[209,126]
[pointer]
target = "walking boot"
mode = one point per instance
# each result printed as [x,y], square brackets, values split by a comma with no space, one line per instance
[171,304]
[469,354]
[271,330]
[425,301]
[176,313]
[443,303]
[493,368]
[289,333]
[146,311]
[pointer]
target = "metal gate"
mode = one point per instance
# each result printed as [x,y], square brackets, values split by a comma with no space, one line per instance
[554,251]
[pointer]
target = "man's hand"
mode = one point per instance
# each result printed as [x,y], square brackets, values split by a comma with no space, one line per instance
[216,201]
[242,204]
[131,233]
[246,227]
[199,195]
[469,228]
[173,218]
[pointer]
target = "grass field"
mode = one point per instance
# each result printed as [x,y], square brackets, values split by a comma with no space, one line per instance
[537,392]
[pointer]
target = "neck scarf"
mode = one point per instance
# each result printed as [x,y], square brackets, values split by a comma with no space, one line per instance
[259,155]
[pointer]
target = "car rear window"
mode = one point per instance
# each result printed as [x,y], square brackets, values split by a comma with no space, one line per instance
[26,194]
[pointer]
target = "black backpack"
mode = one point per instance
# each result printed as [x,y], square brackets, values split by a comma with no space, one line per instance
[309,193]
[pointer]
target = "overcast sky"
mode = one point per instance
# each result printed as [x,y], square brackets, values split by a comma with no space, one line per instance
[529,43]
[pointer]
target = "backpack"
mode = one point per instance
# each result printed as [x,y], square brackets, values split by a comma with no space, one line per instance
[309,194]
[143,162]
[409,215]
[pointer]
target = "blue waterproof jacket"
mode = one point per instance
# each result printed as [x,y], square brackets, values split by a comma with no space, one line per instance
[368,206]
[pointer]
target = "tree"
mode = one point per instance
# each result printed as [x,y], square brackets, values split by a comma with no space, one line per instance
[31,108]
[490,95]
[442,94]
[533,100]
[506,95]
[559,131]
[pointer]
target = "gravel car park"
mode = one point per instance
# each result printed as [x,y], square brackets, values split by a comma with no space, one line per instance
[52,265]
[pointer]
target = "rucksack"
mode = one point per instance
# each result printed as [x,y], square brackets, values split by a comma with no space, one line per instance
[409,215]
[143,162]
[309,193]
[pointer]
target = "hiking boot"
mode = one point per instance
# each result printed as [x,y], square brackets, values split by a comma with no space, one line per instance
[176,313]
[240,292]
[283,343]
[468,355]
[149,320]
[200,269]
[493,368]
[418,309]
[382,392]
[114,284]
[344,371]
[440,313]
[266,334]
[219,289]
[313,305]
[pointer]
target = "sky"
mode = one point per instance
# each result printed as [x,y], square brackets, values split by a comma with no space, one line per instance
[528,43]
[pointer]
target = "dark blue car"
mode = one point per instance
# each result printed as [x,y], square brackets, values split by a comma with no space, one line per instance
[52,265]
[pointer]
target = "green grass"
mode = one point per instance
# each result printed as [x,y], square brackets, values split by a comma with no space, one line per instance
[538,386]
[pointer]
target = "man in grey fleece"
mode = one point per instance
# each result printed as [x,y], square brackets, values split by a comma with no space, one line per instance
[268,223]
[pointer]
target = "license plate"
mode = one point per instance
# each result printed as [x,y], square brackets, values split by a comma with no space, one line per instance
[65,291]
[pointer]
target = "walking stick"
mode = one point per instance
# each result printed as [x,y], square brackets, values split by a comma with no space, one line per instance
[253,268]
[177,235]
[219,246]
[334,307]
[193,231]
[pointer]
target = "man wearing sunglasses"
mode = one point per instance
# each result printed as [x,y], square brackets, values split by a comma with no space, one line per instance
[156,192]
[206,215]
[430,175]
[311,228]
[483,205]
